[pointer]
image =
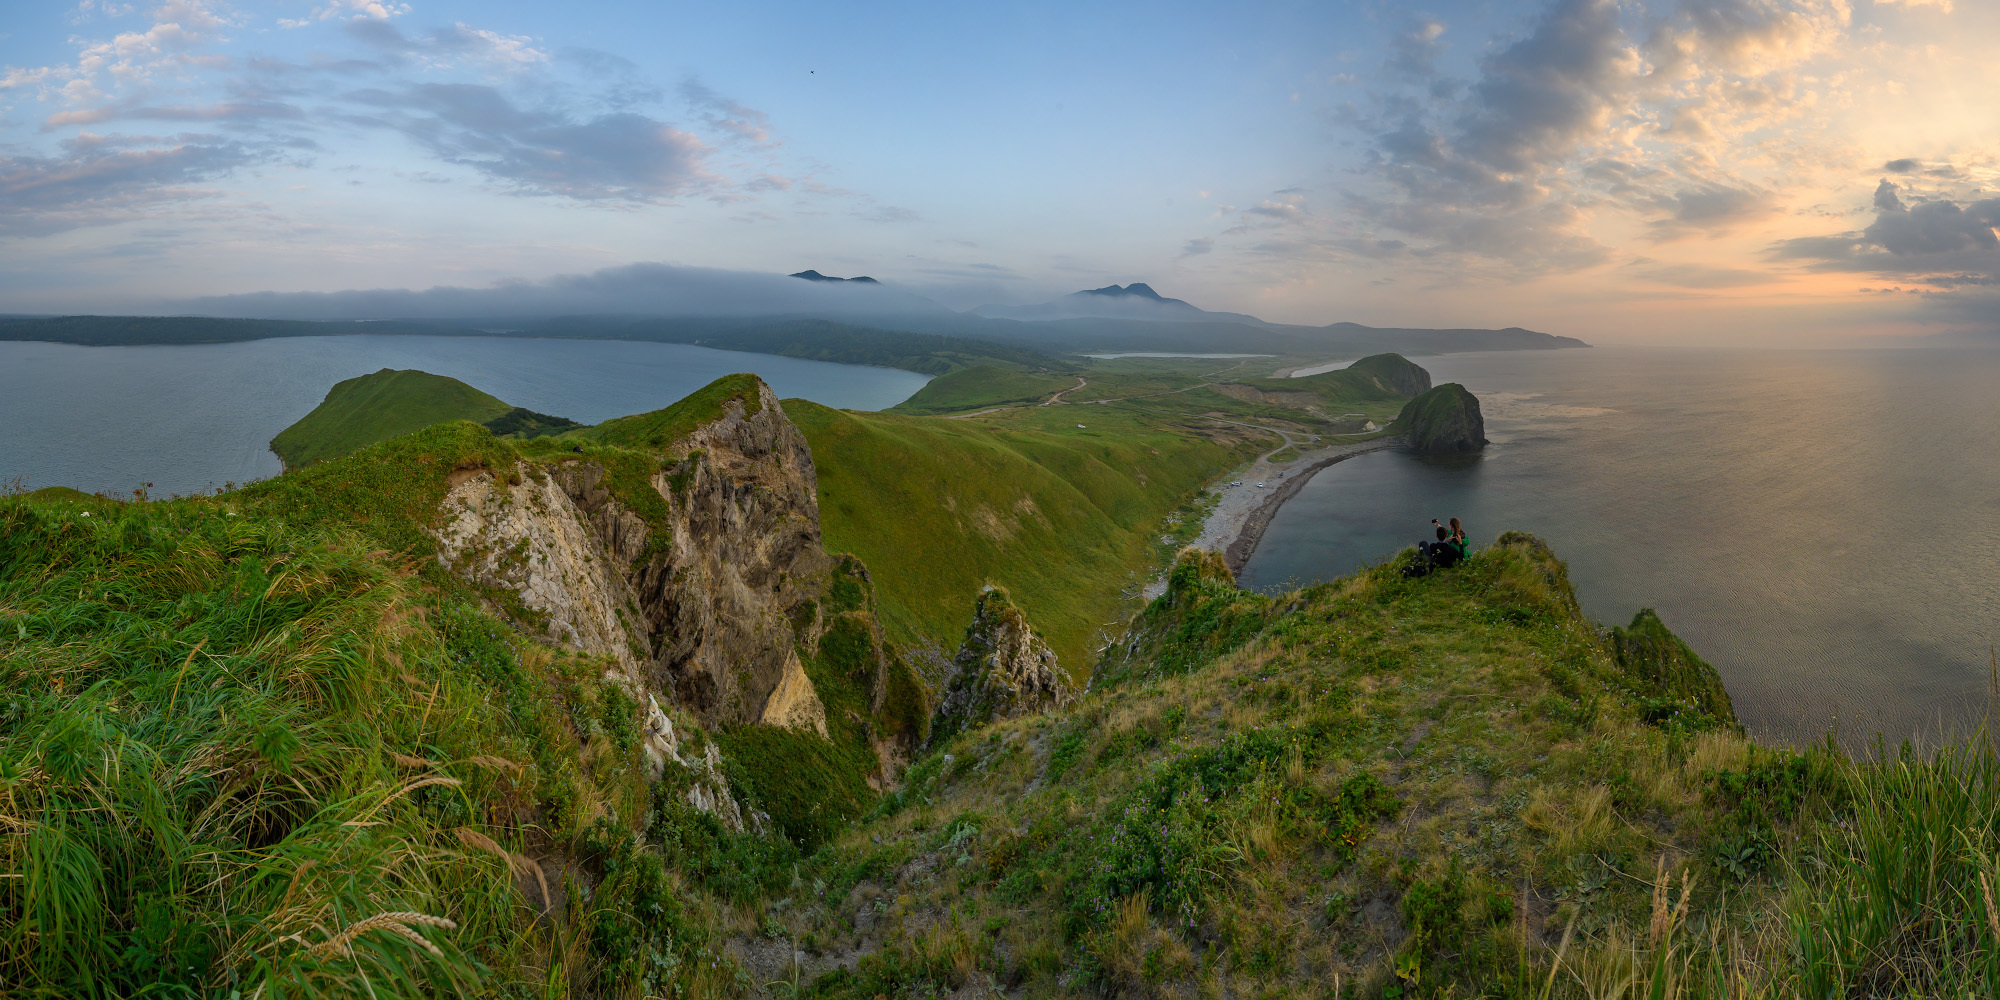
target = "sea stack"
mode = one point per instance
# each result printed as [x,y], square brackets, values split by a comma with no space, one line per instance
[1444,420]
[1003,670]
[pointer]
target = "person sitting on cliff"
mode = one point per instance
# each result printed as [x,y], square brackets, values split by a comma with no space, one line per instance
[1433,555]
[1444,554]
[1457,539]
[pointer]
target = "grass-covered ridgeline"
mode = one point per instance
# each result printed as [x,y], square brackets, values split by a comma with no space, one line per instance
[663,427]
[247,748]
[1453,786]
[240,757]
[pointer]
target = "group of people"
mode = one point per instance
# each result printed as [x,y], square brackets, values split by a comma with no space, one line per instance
[1449,550]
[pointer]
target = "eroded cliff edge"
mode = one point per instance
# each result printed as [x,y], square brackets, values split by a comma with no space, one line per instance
[687,552]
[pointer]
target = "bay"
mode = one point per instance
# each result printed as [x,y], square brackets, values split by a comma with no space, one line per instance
[191,418]
[1823,526]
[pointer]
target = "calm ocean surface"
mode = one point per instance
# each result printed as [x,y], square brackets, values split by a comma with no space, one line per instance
[190,418]
[1824,527]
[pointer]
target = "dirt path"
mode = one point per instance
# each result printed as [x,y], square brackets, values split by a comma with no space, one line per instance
[1057,398]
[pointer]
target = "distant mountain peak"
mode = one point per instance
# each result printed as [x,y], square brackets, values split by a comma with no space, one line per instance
[1138,288]
[811,275]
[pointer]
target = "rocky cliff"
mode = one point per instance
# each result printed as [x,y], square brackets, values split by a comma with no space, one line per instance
[1002,670]
[1443,420]
[695,606]
[684,547]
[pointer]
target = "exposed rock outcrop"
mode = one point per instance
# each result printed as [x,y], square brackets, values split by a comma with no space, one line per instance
[521,535]
[740,549]
[697,605]
[1002,670]
[1443,420]
[708,789]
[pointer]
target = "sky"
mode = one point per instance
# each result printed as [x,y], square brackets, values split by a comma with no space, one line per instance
[1779,172]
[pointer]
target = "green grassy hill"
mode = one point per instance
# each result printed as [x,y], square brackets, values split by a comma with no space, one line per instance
[259,744]
[1067,518]
[980,387]
[244,754]
[1070,519]
[363,410]
[1381,787]
[373,408]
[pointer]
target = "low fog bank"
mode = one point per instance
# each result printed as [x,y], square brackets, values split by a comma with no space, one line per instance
[634,290]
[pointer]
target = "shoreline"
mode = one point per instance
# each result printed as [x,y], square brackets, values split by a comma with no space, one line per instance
[1237,524]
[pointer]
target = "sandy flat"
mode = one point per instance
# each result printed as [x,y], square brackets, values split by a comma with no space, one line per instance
[1237,524]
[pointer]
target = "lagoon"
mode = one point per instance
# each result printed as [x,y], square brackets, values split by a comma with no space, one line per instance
[190,418]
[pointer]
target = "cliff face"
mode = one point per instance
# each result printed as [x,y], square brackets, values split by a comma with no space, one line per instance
[1002,670]
[739,551]
[697,606]
[1443,420]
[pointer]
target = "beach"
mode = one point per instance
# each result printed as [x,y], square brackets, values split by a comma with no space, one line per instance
[1242,513]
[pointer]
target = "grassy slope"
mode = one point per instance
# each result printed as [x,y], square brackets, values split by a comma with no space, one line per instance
[661,428]
[1382,787]
[361,411]
[235,727]
[229,740]
[980,387]
[1369,380]
[1062,517]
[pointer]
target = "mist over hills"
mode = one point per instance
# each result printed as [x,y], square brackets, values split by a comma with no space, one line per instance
[803,314]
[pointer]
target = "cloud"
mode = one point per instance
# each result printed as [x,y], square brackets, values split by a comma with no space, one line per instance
[1538,98]
[888,213]
[1599,108]
[1197,247]
[632,290]
[622,156]
[129,58]
[1932,227]
[1414,51]
[1285,208]
[133,110]
[1712,208]
[1942,6]
[1745,36]
[363,10]
[1930,239]
[724,115]
[1903,166]
[1699,276]
[449,46]
[110,179]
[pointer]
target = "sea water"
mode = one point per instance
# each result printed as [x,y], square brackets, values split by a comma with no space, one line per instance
[1823,526]
[191,418]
